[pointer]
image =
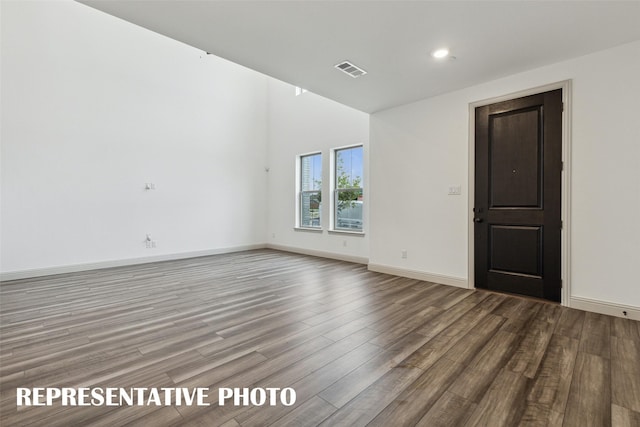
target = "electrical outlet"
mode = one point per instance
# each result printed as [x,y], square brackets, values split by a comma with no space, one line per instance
[344,243]
[404,253]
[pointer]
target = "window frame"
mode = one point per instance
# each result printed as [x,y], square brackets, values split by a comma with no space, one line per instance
[336,191]
[300,193]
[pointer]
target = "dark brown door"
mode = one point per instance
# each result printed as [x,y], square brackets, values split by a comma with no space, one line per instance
[517,216]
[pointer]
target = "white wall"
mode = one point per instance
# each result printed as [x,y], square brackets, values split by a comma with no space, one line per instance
[92,108]
[300,125]
[418,150]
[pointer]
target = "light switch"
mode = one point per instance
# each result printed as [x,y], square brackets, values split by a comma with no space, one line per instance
[455,190]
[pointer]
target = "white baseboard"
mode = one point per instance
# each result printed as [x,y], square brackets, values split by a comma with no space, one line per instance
[587,304]
[321,254]
[38,272]
[604,307]
[458,282]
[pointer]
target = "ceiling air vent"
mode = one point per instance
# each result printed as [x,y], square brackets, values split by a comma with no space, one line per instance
[350,69]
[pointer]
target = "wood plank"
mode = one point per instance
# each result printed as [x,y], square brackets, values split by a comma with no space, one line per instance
[596,335]
[286,369]
[310,413]
[570,323]
[449,410]
[444,342]
[473,341]
[538,332]
[517,322]
[366,405]
[539,415]
[623,417]
[481,371]
[308,386]
[550,389]
[208,419]
[163,416]
[365,319]
[589,402]
[442,322]
[347,387]
[504,403]
[392,333]
[222,371]
[356,345]
[413,403]
[625,373]
[625,328]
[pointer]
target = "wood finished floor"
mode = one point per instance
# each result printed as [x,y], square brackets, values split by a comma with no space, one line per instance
[360,348]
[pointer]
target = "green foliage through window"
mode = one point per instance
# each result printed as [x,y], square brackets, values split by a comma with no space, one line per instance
[349,192]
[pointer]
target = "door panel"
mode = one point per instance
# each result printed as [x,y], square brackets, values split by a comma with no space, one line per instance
[515,146]
[516,250]
[518,168]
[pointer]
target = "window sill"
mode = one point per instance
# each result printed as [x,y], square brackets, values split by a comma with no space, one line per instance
[308,229]
[355,233]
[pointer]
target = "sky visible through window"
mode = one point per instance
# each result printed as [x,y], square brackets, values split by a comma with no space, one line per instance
[349,163]
[311,172]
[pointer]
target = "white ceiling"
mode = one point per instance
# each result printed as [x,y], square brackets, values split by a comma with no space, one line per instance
[300,41]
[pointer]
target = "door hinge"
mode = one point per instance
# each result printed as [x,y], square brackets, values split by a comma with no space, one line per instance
[561,284]
[563,106]
[561,224]
[561,166]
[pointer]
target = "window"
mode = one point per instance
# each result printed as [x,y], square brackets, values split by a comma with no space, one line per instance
[348,199]
[310,190]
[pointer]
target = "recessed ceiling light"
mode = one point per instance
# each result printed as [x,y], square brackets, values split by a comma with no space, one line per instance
[440,53]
